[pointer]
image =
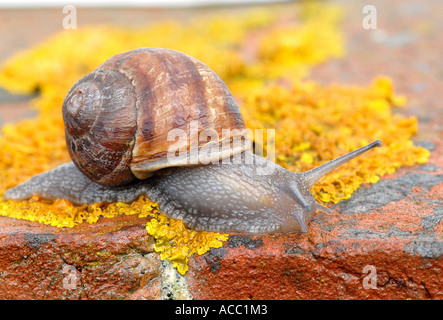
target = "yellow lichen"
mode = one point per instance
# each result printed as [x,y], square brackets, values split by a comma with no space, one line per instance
[62,213]
[176,243]
[314,124]
[264,57]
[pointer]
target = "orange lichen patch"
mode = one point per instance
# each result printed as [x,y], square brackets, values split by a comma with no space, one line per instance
[436,193]
[399,214]
[289,49]
[61,213]
[176,243]
[29,147]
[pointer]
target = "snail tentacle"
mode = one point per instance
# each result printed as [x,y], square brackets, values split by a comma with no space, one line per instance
[321,208]
[294,191]
[301,219]
[313,175]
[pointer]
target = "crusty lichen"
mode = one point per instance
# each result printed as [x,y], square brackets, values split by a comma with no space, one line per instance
[264,56]
[62,213]
[176,243]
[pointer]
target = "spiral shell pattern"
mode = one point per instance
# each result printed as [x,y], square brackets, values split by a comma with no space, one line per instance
[149,109]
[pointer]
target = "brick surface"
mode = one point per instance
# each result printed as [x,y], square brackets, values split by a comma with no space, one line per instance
[112,259]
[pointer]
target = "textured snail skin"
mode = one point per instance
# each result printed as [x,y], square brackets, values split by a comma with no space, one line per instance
[247,194]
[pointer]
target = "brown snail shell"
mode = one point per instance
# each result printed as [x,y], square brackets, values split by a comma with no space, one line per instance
[118,117]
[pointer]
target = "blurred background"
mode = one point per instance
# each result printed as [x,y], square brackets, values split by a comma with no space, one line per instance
[408,33]
[129,3]
[25,23]
[406,44]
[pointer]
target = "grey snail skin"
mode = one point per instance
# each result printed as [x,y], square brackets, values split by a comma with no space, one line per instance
[116,123]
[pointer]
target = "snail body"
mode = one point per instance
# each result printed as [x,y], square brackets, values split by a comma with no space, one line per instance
[226,189]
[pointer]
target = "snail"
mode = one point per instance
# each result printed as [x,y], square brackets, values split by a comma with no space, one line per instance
[118,123]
